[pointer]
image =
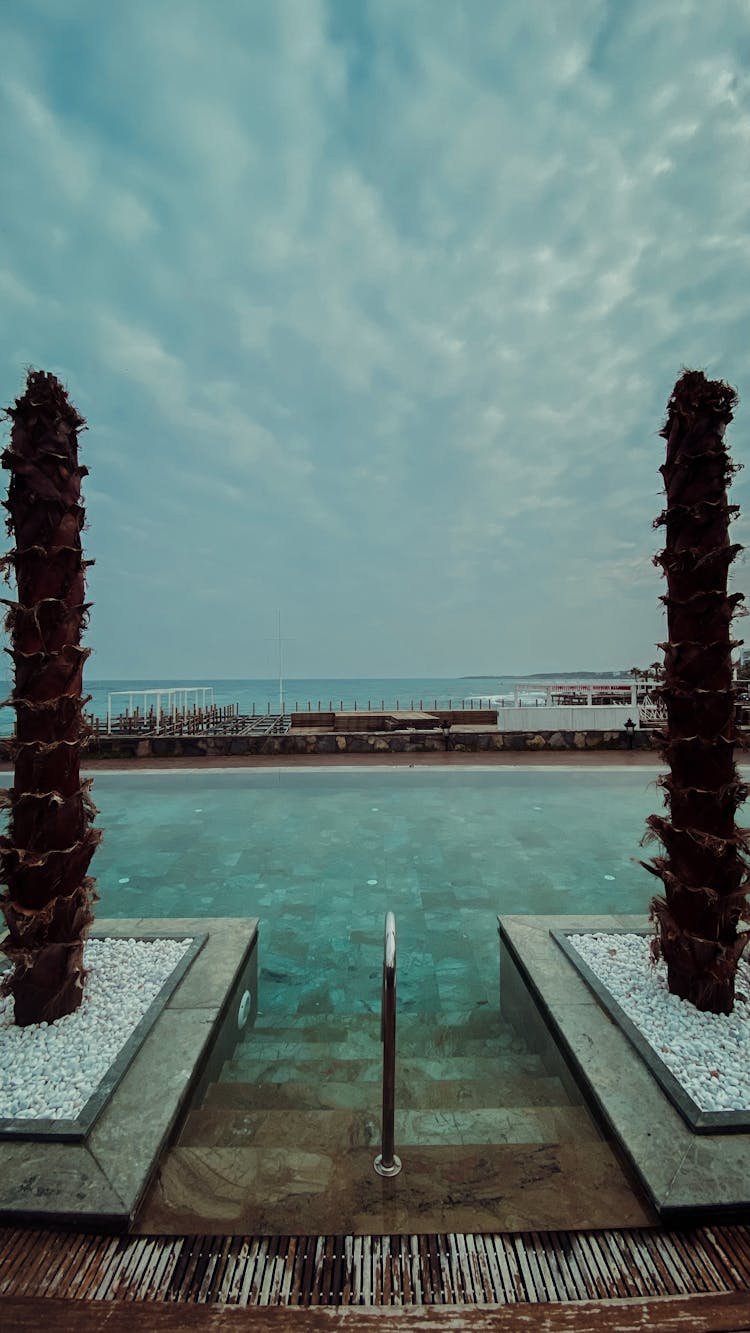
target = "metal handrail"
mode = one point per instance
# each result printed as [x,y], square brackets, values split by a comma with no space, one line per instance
[387,1163]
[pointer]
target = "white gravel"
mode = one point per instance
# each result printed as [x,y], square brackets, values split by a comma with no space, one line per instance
[51,1070]
[709,1054]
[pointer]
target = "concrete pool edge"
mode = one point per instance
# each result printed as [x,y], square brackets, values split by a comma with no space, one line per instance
[100,1183]
[686,1176]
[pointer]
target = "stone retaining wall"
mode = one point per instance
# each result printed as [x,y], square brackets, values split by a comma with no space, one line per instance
[326,743]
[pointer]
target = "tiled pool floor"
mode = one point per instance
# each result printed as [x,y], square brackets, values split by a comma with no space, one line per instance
[291,1126]
[320,855]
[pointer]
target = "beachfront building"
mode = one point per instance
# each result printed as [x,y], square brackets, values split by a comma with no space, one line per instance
[571,706]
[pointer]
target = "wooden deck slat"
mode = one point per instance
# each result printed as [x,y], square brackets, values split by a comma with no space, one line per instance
[600,1276]
[192,1260]
[90,1267]
[316,1280]
[128,1276]
[571,1287]
[409,1271]
[15,1246]
[701,1272]
[281,1263]
[214,1274]
[140,1276]
[229,1292]
[202,1278]
[506,1258]
[730,1249]
[554,1286]
[577,1261]
[102,1283]
[297,1261]
[480,1266]
[260,1269]
[165,1268]
[446,1277]
[180,1267]
[530,1289]
[670,1281]
[306,1269]
[247,1270]
[647,1262]
[431,1269]
[285,1287]
[496,1276]
[622,1261]
[453,1260]
[579,1288]
[38,1262]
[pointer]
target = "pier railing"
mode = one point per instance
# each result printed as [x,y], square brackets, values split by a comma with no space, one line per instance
[226,719]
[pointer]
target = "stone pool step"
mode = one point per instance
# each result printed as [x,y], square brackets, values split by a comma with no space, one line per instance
[261,1191]
[290,1044]
[335,1131]
[480,1022]
[412,1092]
[330,1069]
[478,1032]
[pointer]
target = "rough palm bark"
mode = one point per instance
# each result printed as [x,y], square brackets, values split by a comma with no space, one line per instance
[45,856]
[704,868]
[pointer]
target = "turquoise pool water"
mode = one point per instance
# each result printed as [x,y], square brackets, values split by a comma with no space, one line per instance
[319,855]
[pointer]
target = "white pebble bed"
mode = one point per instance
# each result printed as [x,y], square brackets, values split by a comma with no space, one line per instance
[709,1054]
[51,1069]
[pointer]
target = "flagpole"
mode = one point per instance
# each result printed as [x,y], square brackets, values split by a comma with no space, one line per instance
[281,684]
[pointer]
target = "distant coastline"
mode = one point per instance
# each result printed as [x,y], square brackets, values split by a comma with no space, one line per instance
[554,675]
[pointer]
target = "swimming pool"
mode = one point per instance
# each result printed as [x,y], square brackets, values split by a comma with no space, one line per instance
[320,854]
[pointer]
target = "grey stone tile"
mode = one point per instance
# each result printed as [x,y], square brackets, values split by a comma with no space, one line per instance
[214,971]
[100,1182]
[55,1182]
[128,1135]
[714,1167]
[682,1172]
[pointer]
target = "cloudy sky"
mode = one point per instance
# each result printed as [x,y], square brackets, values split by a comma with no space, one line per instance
[373,308]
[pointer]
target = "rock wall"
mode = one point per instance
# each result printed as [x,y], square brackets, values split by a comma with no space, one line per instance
[326,743]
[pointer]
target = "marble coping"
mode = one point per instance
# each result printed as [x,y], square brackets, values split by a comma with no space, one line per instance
[686,1176]
[97,1182]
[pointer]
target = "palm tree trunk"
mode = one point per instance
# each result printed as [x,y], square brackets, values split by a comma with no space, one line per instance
[45,856]
[704,871]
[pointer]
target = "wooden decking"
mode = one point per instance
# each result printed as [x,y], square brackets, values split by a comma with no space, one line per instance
[726,1312]
[463,1272]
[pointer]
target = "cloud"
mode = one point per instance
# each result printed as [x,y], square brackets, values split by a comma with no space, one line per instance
[366,303]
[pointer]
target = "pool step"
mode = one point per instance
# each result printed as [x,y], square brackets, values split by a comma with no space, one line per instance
[358,1043]
[469,1068]
[314,1085]
[334,1131]
[480,1022]
[313,1094]
[259,1191]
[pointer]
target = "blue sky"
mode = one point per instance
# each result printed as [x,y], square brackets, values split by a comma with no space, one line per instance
[373,308]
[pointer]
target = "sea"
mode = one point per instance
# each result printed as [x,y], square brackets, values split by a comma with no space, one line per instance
[314,694]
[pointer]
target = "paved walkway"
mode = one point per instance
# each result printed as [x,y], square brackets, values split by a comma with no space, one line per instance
[483,759]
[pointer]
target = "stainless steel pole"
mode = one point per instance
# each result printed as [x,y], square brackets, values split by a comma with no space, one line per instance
[387,1163]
